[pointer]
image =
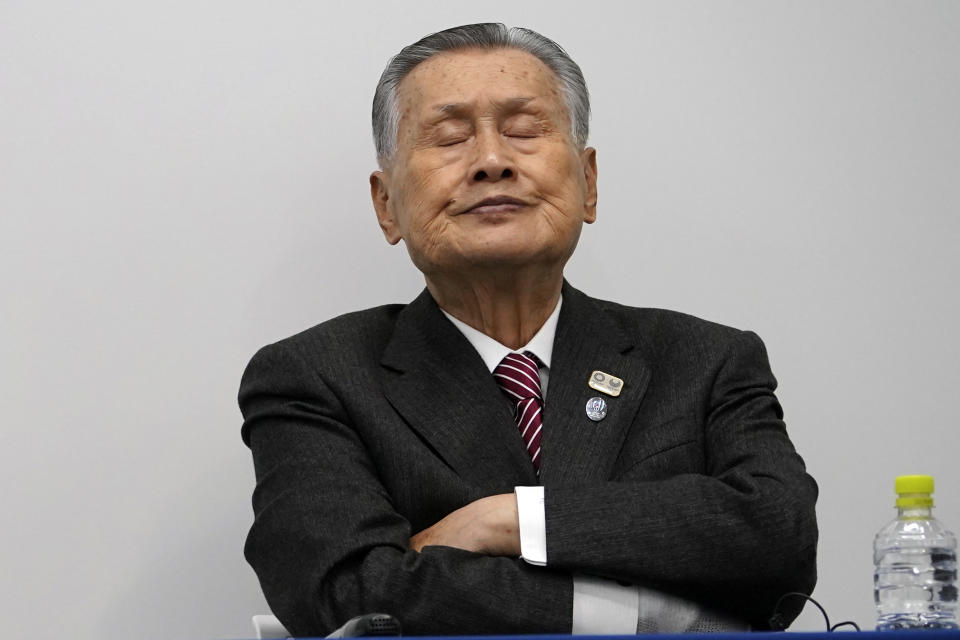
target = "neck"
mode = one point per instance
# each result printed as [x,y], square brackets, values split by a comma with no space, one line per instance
[509,307]
[915,513]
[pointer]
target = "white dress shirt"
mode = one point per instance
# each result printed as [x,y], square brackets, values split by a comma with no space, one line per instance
[600,606]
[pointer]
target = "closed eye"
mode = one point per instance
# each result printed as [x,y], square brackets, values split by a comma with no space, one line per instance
[523,127]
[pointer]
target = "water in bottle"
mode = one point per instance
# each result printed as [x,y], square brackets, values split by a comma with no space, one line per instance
[915,581]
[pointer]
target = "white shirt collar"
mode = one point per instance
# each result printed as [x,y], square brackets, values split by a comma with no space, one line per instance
[492,352]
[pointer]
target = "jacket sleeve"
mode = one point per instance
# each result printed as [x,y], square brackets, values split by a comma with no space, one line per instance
[327,544]
[735,537]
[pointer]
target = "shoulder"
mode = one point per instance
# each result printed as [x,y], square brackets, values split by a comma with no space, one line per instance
[686,350]
[317,363]
[368,329]
[664,324]
[666,335]
[346,340]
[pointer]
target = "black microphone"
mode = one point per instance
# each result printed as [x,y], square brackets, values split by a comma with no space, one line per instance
[371,624]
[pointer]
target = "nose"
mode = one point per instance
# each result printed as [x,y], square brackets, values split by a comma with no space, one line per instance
[494,160]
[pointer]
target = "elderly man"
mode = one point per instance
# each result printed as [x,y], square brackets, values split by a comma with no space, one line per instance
[505,454]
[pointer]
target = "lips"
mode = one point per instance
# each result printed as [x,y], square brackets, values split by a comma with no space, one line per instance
[496,204]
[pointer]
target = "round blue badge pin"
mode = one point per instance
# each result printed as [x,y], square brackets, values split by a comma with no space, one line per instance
[596,408]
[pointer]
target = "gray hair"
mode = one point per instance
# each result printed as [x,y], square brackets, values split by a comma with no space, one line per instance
[489,35]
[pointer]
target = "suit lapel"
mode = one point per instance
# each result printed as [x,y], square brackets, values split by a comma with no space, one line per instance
[575,448]
[437,381]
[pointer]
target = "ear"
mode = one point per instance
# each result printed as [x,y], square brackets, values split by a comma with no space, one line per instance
[380,194]
[588,158]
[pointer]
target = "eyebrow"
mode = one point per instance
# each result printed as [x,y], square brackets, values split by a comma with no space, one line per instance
[453,108]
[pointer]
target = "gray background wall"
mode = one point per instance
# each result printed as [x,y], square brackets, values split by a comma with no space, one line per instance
[183,182]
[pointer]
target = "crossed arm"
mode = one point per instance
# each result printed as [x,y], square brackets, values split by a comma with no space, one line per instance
[489,526]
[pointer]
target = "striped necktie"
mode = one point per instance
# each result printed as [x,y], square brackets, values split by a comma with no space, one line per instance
[519,378]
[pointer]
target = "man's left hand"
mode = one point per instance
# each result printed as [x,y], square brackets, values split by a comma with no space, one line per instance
[488,525]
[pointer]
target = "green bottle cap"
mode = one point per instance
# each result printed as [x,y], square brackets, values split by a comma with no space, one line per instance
[914,491]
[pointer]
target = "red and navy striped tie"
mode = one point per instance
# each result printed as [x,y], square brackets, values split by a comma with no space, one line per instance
[519,378]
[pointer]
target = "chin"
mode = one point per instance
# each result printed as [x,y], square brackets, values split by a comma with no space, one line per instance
[508,253]
[512,258]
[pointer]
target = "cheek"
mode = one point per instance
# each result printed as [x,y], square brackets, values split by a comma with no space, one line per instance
[440,174]
[426,189]
[561,183]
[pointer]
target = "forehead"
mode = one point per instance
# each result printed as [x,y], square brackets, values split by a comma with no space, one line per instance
[476,77]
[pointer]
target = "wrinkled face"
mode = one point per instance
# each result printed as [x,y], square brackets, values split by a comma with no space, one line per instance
[486,173]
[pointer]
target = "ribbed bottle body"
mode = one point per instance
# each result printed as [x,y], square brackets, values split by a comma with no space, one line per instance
[915,577]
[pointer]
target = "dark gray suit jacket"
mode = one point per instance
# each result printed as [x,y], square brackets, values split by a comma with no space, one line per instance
[373,426]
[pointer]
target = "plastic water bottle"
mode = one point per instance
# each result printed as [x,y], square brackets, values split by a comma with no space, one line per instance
[915,581]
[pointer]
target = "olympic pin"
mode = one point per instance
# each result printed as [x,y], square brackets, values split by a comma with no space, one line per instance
[605,383]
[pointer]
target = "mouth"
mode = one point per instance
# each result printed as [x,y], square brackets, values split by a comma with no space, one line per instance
[496,204]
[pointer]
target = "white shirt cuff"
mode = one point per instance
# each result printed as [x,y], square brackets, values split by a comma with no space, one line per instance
[604,607]
[533,525]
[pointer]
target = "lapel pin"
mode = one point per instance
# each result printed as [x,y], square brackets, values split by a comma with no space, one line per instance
[596,408]
[605,383]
